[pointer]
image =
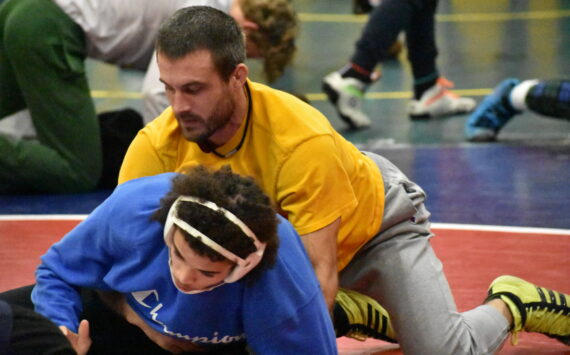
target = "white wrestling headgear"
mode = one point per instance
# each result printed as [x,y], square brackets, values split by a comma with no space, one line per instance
[243,266]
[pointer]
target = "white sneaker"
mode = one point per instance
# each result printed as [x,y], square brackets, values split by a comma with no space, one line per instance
[347,94]
[439,101]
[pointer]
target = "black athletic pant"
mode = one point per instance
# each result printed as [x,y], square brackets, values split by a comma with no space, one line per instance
[386,21]
[25,332]
[110,332]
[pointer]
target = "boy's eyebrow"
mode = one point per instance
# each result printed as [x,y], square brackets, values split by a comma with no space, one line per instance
[182,257]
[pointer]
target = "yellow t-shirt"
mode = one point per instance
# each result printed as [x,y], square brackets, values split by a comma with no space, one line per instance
[310,172]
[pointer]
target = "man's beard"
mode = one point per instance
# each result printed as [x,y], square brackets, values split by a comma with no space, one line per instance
[218,119]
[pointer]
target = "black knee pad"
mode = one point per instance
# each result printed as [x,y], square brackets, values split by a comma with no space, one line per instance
[550,98]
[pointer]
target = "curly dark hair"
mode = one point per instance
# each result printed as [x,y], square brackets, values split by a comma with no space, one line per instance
[238,194]
[278,29]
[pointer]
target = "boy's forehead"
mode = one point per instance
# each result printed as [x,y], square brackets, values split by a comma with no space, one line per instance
[191,256]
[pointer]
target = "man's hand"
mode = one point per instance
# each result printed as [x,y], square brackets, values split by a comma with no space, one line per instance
[81,342]
[321,247]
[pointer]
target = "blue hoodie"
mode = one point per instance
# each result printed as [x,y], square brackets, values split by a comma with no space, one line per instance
[118,247]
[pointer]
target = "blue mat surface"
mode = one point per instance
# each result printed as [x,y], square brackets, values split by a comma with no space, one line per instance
[492,184]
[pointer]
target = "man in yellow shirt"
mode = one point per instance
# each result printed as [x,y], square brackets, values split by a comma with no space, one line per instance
[363,223]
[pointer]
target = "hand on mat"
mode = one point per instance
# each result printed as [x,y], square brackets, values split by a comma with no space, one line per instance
[80,341]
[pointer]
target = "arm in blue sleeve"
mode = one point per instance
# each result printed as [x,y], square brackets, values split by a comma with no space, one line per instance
[80,259]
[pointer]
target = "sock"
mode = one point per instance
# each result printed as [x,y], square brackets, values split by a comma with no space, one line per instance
[352,70]
[517,97]
[423,84]
[514,305]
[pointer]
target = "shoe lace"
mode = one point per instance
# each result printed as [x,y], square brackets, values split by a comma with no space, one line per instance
[548,317]
[362,332]
[446,85]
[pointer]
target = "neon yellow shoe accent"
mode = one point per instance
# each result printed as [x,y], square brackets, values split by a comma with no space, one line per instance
[534,308]
[366,317]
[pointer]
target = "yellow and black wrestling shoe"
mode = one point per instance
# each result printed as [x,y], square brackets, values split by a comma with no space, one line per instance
[359,317]
[534,308]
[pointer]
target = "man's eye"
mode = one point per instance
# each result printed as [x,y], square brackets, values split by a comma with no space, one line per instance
[208,274]
[191,91]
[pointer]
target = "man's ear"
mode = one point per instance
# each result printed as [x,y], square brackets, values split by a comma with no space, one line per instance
[239,75]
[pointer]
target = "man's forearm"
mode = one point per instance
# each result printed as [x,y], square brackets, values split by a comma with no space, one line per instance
[329,284]
[321,248]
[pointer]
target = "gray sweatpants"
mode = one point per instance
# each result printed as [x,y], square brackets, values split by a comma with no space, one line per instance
[399,269]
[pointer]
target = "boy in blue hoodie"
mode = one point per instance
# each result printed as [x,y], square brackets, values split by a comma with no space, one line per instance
[183,263]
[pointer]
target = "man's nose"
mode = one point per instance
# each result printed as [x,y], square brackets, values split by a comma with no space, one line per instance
[180,103]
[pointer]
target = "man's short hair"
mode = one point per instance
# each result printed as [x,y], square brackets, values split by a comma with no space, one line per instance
[203,28]
[275,38]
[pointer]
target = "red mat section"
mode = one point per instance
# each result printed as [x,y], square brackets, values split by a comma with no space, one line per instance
[22,243]
[472,259]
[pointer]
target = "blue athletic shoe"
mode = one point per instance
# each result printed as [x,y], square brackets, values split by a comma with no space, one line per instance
[492,113]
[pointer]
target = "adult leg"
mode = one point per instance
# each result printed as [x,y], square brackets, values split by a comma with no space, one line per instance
[20,296]
[408,280]
[385,23]
[345,88]
[110,332]
[431,95]
[11,99]
[549,98]
[6,324]
[29,333]
[422,49]
[46,52]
